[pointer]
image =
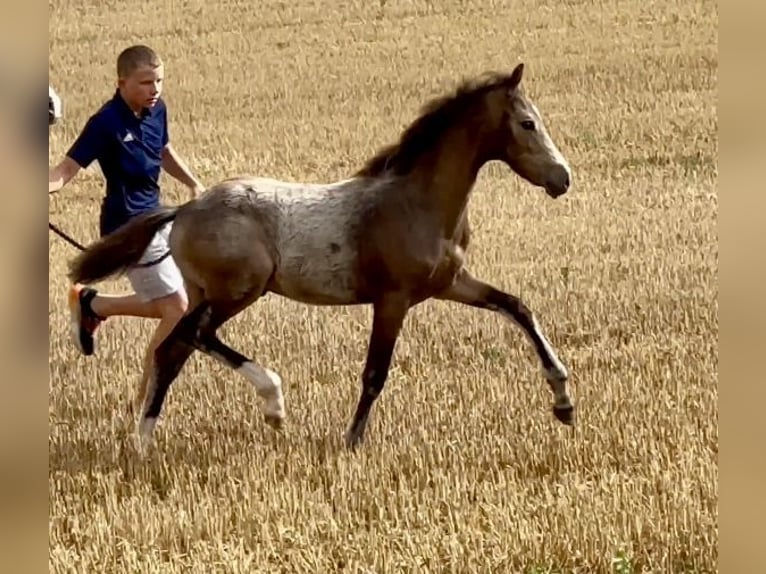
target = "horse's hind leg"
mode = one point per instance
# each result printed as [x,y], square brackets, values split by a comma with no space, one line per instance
[267,383]
[195,295]
[169,358]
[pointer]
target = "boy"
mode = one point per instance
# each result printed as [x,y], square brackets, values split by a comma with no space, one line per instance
[128,136]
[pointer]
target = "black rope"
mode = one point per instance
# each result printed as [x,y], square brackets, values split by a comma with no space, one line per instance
[66,237]
[154,261]
[81,247]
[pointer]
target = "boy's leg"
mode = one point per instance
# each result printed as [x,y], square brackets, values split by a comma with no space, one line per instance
[160,287]
[159,292]
[171,309]
[123,305]
[89,308]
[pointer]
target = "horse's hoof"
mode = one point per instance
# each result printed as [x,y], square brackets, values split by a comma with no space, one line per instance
[565,414]
[274,421]
[353,440]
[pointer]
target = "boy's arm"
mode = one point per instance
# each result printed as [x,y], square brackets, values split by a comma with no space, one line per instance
[177,168]
[83,152]
[60,175]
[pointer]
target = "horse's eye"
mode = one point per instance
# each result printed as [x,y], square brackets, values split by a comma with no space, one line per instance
[528,125]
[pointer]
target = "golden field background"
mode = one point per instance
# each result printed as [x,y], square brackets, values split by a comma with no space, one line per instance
[464,468]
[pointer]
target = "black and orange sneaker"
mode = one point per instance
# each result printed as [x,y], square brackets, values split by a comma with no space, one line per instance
[83,321]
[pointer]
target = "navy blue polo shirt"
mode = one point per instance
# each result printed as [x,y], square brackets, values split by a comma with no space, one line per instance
[129,150]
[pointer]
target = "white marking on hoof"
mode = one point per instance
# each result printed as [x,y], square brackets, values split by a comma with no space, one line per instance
[556,373]
[277,404]
[145,430]
[562,402]
[268,385]
[557,380]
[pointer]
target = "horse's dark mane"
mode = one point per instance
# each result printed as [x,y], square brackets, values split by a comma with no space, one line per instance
[436,116]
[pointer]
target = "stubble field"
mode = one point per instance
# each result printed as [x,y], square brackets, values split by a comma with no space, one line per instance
[464,468]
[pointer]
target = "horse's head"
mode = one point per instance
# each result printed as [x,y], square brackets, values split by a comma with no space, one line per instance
[524,143]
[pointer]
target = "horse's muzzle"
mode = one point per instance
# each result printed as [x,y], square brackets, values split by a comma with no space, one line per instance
[558,183]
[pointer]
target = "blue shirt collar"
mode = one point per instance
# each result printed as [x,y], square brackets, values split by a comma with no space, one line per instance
[124,108]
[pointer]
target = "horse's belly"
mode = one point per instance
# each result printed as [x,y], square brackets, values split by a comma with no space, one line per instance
[316,245]
[316,277]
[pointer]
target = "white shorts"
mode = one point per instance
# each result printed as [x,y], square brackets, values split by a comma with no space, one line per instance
[160,279]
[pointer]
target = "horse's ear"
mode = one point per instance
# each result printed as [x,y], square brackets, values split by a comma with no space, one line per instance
[516,75]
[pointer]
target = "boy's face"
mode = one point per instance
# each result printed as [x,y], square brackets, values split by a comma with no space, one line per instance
[143,87]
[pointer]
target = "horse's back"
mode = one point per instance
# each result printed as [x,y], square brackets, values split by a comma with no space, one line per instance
[311,229]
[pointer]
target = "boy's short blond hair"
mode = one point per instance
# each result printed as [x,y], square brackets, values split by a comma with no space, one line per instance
[135,57]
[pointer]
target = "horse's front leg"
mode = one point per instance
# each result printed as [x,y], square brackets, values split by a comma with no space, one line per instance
[471,291]
[388,318]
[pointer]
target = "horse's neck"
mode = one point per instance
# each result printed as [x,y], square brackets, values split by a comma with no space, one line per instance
[447,176]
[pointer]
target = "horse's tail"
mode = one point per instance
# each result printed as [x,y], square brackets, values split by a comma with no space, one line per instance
[114,253]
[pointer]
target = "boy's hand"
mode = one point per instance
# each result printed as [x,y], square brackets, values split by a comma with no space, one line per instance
[60,175]
[196,190]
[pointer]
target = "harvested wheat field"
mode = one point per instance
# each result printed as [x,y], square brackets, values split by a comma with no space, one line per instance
[464,468]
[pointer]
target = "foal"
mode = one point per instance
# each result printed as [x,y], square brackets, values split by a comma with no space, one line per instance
[392,236]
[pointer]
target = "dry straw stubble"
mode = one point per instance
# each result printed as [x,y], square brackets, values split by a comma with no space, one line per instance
[465,469]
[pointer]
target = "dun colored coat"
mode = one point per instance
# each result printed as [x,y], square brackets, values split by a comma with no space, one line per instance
[392,236]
